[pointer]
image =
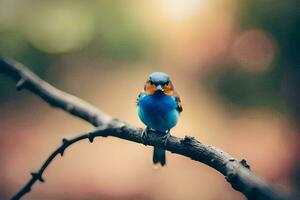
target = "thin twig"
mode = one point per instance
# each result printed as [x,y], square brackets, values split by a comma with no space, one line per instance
[237,173]
[37,176]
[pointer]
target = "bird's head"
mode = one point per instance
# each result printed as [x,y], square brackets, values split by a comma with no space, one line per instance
[159,83]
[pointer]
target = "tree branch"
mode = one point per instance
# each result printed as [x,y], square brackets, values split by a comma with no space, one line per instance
[28,80]
[237,173]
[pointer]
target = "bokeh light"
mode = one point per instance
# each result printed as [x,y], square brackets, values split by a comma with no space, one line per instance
[180,10]
[254,50]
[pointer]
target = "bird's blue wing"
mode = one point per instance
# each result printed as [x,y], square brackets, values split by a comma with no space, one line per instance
[139,96]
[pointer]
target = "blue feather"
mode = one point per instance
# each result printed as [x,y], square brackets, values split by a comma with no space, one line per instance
[158,111]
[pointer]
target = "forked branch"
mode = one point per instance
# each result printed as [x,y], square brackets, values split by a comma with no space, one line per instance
[237,173]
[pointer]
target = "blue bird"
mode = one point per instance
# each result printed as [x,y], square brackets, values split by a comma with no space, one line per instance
[159,107]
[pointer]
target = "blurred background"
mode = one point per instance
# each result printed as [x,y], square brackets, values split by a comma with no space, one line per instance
[235,64]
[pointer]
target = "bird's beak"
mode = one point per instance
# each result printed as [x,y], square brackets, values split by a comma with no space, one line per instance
[159,89]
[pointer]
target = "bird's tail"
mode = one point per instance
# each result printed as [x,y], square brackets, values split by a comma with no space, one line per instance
[159,156]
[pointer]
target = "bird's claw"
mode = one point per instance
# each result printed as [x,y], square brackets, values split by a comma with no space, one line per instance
[165,138]
[145,136]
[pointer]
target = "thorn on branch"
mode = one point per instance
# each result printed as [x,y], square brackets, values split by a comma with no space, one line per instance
[62,149]
[64,140]
[244,163]
[91,137]
[102,131]
[20,84]
[37,176]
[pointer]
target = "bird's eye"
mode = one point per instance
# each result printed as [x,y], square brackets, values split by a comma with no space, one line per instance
[167,83]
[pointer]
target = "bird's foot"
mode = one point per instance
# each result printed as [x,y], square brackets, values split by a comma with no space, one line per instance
[145,135]
[165,138]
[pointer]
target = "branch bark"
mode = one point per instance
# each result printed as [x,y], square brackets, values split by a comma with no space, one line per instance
[237,173]
[28,80]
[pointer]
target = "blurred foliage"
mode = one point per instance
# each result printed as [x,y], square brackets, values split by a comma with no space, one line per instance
[57,27]
[38,32]
[243,88]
